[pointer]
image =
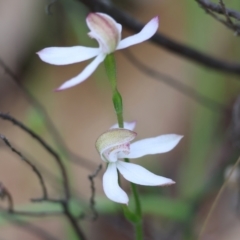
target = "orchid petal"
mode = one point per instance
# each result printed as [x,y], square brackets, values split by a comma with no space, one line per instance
[147,32]
[111,187]
[160,144]
[127,125]
[67,55]
[84,74]
[139,175]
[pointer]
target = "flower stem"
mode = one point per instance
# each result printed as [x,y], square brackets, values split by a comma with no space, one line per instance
[136,217]
[138,210]
[137,200]
[139,231]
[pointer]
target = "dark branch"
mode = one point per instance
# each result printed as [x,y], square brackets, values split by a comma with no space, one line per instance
[184,89]
[29,163]
[45,146]
[218,9]
[73,221]
[64,203]
[159,39]
[228,22]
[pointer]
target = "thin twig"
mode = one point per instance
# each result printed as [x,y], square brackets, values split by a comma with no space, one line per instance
[29,163]
[225,12]
[218,9]
[93,190]
[161,40]
[228,23]
[234,27]
[73,221]
[64,203]
[184,89]
[46,146]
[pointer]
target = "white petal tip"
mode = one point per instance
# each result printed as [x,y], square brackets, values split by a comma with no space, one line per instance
[154,23]
[39,53]
[180,137]
[156,19]
[58,89]
[170,182]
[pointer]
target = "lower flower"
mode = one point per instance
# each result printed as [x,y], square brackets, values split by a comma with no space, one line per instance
[114,145]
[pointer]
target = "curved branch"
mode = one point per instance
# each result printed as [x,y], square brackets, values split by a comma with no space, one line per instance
[218,9]
[45,146]
[161,40]
[29,163]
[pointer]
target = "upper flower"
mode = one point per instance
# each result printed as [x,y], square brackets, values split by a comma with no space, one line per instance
[115,144]
[107,32]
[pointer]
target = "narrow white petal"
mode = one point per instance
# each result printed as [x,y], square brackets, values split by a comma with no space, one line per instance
[84,74]
[147,32]
[111,187]
[127,125]
[67,55]
[160,144]
[139,175]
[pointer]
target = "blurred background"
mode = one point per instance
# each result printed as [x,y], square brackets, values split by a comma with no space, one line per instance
[200,162]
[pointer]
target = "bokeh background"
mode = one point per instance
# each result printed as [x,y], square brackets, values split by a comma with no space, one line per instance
[198,164]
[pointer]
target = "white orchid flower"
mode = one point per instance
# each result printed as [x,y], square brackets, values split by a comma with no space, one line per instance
[107,32]
[114,145]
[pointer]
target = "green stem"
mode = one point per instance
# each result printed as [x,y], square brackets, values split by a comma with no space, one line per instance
[138,207]
[136,217]
[138,210]
[137,200]
[120,120]
[139,231]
